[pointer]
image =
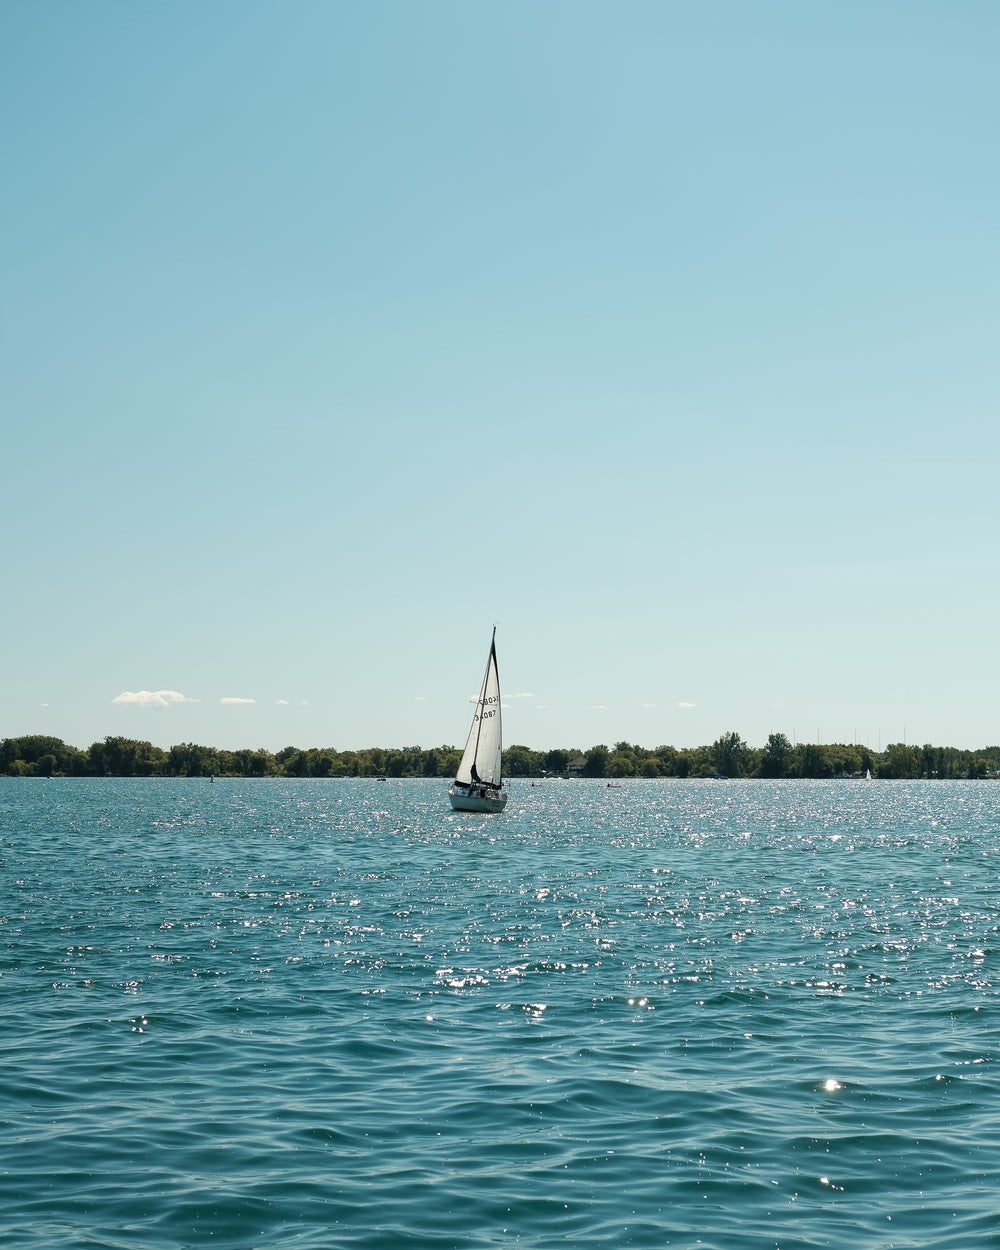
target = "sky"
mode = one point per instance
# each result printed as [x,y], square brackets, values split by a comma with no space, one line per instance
[662,335]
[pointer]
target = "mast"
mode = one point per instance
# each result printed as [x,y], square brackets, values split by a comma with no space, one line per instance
[491,661]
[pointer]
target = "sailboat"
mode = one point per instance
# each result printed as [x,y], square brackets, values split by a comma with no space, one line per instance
[478,784]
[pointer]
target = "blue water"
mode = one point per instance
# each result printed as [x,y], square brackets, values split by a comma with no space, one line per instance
[272,1014]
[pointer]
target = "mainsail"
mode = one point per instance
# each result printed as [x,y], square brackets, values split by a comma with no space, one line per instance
[480,764]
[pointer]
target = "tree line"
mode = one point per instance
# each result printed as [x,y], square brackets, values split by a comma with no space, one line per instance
[729,756]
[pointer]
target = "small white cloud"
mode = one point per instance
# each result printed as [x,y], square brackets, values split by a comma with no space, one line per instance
[599,707]
[527,695]
[232,700]
[541,707]
[45,705]
[284,702]
[648,704]
[151,698]
[419,698]
[685,705]
[303,702]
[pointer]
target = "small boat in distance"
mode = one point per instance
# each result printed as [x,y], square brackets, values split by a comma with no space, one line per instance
[478,784]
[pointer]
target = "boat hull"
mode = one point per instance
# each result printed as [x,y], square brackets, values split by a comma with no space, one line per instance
[477,799]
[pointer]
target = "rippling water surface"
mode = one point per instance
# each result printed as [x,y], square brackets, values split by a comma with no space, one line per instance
[271,1014]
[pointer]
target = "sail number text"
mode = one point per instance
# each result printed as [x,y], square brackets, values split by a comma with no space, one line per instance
[484,711]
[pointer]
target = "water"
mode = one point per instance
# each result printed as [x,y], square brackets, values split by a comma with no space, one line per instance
[272,1014]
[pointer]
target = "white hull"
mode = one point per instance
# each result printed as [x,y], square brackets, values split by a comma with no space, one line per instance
[477,799]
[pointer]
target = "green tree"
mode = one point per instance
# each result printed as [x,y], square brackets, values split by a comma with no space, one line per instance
[519,761]
[189,759]
[293,763]
[556,760]
[619,765]
[373,761]
[901,762]
[844,758]
[683,763]
[729,755]
[30,750]
[597,761]
[667,757]
[777,756]
[702,762]
[259,763]
[451,757]
[810,760]
[978,767]
[126,757]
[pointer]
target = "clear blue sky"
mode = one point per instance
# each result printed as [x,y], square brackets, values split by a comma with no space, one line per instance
[663,334]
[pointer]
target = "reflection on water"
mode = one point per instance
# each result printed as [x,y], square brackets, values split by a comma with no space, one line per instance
[306,1014]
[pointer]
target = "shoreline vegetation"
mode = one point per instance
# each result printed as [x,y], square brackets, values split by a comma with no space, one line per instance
[38,755]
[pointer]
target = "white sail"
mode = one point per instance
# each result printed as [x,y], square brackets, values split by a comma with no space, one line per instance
[481,760]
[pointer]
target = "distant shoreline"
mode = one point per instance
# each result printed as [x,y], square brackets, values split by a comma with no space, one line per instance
[507,781]
[40,755]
